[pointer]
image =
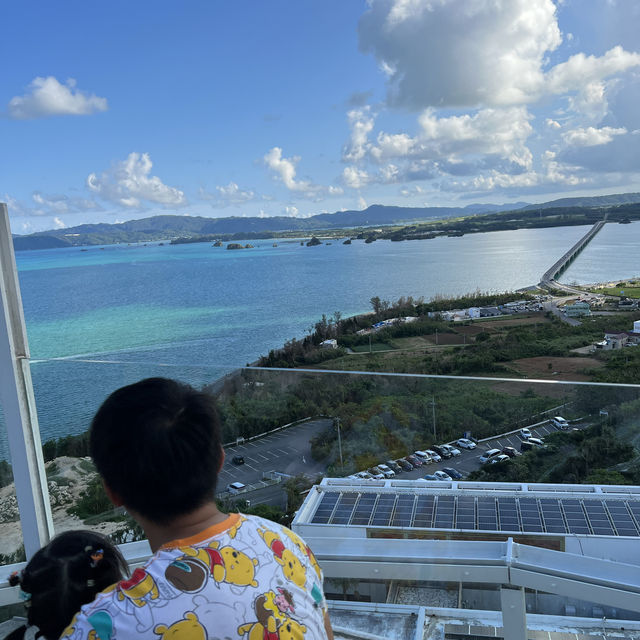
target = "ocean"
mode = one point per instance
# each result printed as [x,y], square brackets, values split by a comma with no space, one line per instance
[107,316]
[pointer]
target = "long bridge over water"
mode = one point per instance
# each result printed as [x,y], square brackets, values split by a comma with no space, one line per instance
[549,277]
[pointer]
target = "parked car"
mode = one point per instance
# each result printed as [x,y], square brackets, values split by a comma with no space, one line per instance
[414,460]
[465,443]
[376,474]
[441,475]
[526,446]
[500,458]
[441,451]
[538,442]
[560,422]
[452,450]
[510,451]
[236,487]
[394,466]
[237,459]
[454,473]
[386,472]
[525,434]
[436,457]
[429,476]
[489,455]
[424,456]
[405,465]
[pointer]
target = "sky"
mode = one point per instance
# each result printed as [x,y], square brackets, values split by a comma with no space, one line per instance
[122,110]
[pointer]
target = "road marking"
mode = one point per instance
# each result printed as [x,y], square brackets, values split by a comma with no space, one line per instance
[286,453]
[252,468]
[251,444]
[259,454]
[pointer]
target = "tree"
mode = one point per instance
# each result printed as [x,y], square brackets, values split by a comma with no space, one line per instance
[376,304]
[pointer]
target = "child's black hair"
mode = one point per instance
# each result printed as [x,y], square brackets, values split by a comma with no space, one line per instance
[156,443]
[64,575]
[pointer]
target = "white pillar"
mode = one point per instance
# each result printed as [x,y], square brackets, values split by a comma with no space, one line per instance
[18,403]
[514,613]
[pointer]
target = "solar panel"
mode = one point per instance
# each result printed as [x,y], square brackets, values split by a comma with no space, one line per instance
[344,508]
[404,511]
[325,508]
[384,507]
[424,511]
[588,516]
[364,508]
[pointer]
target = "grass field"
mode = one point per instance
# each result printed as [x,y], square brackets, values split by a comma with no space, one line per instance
[629,292]
[375,346]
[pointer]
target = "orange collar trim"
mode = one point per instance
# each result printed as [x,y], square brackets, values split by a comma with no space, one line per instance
[211,531]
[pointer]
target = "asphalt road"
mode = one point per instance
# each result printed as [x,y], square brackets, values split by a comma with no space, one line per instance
[287,451]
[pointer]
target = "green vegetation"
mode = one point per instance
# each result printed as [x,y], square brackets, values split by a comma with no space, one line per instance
[93,501]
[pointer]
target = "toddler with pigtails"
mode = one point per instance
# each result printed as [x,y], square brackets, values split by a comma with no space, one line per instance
[61,577]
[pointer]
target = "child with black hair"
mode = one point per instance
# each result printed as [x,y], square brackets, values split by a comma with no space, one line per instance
[64,575]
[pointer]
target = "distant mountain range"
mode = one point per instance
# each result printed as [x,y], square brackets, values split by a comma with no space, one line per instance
[168,227]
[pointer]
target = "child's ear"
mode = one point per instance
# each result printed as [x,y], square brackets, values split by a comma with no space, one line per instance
[112,495]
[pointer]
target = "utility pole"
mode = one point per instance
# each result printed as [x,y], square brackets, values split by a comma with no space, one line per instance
[433,414]
[337,421]
[369,342]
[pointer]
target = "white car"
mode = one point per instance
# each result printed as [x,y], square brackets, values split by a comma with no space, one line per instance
[375,473]
[424,456]
[489,455]
[560,422]
[441,475]
[434,456]
[465,443]
[525,434]
[386,471]
[452,450]
[363,475]
[501,458]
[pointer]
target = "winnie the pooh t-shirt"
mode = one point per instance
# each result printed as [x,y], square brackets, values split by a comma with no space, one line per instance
[245,578]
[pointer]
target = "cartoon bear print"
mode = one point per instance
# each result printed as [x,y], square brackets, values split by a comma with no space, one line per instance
[306,550]
[189,628]
[292,568]
[273,623]
[225,564]
[139,588]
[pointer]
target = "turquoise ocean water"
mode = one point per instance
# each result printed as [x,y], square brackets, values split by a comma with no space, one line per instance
[104,317]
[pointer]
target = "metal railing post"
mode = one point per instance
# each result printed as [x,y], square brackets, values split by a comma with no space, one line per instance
[18,403]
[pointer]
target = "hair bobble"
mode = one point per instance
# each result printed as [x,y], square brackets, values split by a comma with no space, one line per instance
[15,579]
[96,557]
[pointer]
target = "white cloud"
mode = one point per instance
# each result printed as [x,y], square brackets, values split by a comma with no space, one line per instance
[591,137]
[291,211]
[58,223]
[335,191]
[361,123]
[490,132]
[354,177]
[285,168]
[581,70]
[443,53]
[129,184]
[552,124]
[362,203]
[47,97]
[228,195]
[60,203]
[451,53]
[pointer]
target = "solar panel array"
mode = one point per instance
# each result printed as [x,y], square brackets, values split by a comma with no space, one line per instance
[589,516]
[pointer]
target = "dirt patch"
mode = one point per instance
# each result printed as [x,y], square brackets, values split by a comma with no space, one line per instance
[549,368]
[474,329]
[514,322]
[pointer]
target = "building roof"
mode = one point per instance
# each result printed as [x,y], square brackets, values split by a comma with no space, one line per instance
[475,507]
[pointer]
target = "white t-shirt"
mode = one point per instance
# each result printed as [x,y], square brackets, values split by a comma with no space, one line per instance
[245,578]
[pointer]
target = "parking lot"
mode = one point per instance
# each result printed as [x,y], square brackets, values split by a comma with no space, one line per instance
[469,459]
[287,451]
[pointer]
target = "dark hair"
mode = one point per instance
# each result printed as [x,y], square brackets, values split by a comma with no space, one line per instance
[64,575]
[156,443]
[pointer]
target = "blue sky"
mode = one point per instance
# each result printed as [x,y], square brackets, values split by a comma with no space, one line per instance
[115,111]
